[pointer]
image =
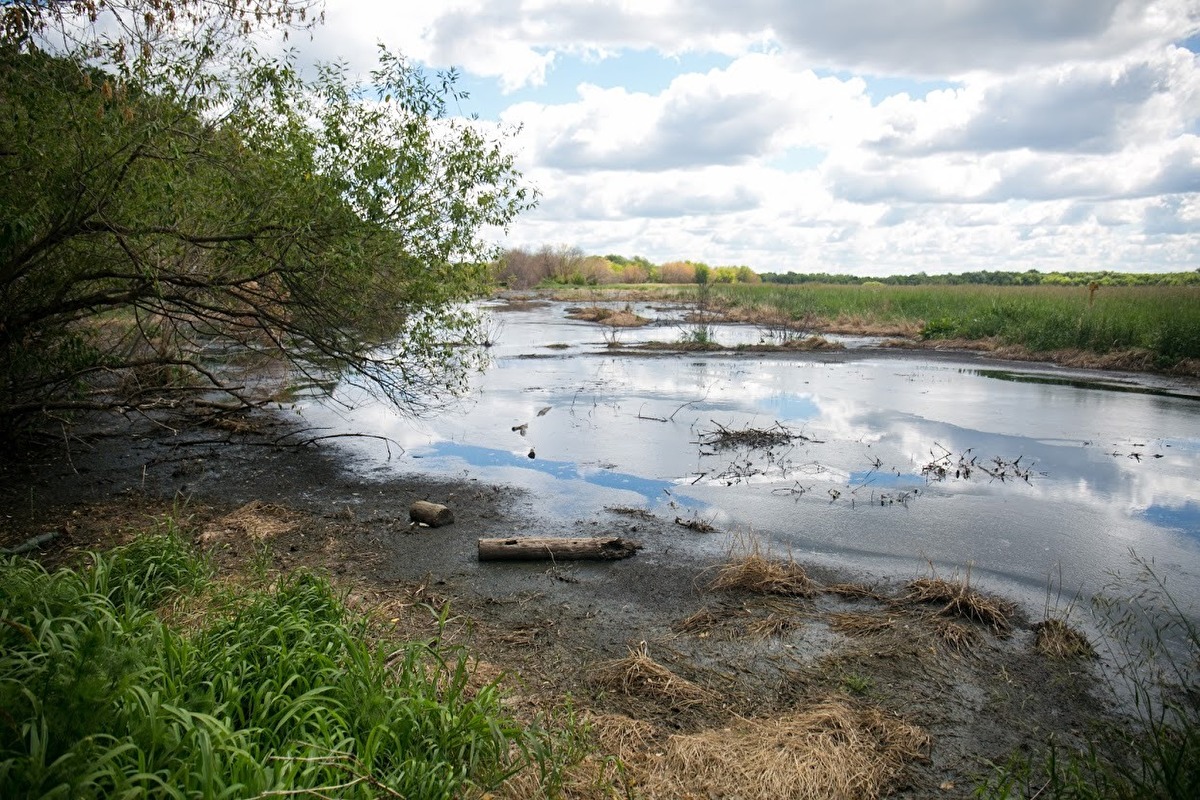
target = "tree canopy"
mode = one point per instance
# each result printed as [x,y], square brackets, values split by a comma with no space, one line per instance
[179,211]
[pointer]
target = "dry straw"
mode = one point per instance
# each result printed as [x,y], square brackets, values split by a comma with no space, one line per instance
[861,623]
[255,521]
[958,598]
[1057,639]
[638,675]
[830,750]
[852,591]
[755,572]
[955,635]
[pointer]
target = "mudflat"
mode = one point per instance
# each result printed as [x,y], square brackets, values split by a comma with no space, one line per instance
[672,656]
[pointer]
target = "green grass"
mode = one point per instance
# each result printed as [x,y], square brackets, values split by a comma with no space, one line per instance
[278,690]
[1165,320]
[1153,647]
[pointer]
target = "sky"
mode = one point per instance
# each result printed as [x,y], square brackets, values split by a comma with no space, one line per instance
[870,137]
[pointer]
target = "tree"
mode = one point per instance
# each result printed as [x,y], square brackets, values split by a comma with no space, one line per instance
[678,272]
[175,206]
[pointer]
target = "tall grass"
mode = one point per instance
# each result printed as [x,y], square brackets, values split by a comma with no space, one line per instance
[1153,649]
[1163,320]
[280,692]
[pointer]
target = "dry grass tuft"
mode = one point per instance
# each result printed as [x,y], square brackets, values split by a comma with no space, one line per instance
[256,521]
[852,591]
[638,675]
[774,624]
[756,573]
[619,735]
[1058,639]
[859,624]
[958,598]
[703,621]
[955,635]
[830,750]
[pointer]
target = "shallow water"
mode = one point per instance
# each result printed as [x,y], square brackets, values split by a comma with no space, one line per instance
[1085,467]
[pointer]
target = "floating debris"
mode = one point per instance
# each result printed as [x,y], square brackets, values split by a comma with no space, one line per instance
[943,466]
[697,525]
[753,438]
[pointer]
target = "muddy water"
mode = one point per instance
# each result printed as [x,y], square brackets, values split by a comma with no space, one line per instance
[1022,472]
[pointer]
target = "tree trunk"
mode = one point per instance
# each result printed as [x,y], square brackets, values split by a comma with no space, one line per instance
[432,514]
[536,548]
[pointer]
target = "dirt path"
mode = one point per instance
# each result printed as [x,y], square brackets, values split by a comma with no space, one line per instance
[978,691]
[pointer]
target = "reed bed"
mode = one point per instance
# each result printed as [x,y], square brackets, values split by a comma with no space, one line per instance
[1163,322]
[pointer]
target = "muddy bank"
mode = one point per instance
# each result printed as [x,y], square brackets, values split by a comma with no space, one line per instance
[976,689]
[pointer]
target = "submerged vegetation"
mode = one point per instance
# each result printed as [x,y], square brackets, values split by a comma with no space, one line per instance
[270,690]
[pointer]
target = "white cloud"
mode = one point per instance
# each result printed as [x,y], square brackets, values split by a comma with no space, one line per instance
[1057,135]
[517,40]
[755,108]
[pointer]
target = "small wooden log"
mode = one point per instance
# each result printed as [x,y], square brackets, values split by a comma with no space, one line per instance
[29,545]
[539,548]
[434,515]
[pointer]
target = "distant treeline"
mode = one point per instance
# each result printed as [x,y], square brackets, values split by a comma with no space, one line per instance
[521,268]
[1029,278]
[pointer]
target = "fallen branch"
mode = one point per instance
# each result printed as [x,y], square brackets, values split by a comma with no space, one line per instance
[29,545]
[532,548]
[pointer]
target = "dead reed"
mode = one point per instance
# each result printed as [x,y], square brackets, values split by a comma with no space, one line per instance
[703,621]
[774,624]
[852,591]
[829,750]
[857,624]
[1058,639]
[638,675]
[756,573]
[958,598]
[955,635]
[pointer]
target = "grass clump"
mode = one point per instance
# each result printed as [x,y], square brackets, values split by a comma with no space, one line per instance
[1059,639]
[829,750]
[752,571]
[958,598]
[638,675]
[280,690]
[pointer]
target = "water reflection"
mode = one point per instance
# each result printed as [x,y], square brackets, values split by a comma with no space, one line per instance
[652,491]
[1097,471]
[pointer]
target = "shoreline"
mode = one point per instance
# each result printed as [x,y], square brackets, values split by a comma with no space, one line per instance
[978,692]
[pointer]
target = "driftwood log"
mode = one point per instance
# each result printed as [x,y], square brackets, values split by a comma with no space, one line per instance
[434,515]
[29,545]
[540,548]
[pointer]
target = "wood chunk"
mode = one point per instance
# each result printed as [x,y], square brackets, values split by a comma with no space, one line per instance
[542,548]
[434,515]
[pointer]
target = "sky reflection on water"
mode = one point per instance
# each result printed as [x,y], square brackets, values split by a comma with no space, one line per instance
[1101,472]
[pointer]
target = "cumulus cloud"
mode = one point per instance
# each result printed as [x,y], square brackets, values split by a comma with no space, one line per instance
[756,108]
[518,40]
[1053,135]
[1089,108]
